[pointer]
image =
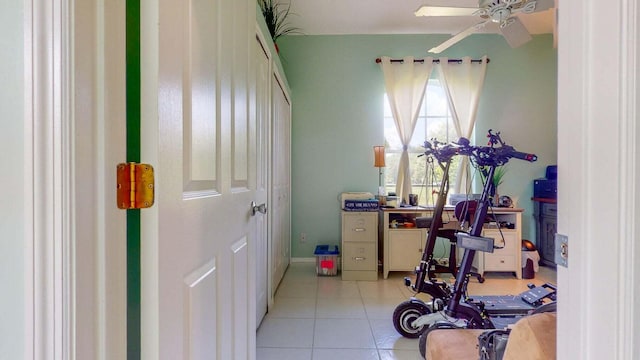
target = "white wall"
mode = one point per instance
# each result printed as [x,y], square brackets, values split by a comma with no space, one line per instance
[12,247]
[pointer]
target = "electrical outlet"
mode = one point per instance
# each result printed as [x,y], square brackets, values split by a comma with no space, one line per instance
[303,238]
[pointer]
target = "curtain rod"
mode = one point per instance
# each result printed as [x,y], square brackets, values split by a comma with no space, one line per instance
[435,61]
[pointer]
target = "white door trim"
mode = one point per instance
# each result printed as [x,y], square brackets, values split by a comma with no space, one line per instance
[74,126]
[599,195]
[48,217]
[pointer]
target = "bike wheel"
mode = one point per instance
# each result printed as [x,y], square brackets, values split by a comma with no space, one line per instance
[405,314]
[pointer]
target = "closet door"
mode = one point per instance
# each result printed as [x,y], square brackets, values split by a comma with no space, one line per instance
[281,184]
[262,108]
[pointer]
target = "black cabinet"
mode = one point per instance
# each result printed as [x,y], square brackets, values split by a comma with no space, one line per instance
[545,214]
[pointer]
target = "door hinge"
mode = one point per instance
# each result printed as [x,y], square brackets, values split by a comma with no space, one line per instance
[135,187]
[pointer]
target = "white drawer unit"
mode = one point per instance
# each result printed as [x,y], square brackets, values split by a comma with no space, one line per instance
[506,256]
[503,259]
[405,248]
[402,245]
[359,226]
[359,245]
[358,256]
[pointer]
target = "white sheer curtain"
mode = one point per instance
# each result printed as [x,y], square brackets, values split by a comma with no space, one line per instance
[463,84]
[405,83]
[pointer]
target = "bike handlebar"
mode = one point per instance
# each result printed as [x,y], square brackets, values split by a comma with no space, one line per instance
[490,155]
[442,152]
[524,156]
[493,155]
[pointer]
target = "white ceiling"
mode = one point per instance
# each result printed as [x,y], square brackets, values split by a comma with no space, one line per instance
[340,17]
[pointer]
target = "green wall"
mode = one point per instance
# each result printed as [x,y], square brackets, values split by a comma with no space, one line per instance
[337,90]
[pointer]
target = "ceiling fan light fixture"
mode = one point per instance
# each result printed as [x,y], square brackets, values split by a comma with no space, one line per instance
[507,22]
[501,15]
[490,3]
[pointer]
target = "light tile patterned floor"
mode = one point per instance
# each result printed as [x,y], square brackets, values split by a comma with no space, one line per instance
[325,318]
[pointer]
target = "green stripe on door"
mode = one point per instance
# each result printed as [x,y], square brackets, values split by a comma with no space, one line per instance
[133,155]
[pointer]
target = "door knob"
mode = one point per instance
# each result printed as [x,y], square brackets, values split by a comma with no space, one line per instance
[258,208]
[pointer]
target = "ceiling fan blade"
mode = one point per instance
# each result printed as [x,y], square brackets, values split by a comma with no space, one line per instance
[457,37]
[426,10]
[515,33]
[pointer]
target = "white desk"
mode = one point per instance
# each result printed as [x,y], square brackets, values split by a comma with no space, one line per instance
[403,246]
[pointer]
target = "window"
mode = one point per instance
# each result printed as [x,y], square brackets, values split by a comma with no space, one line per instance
[434,122]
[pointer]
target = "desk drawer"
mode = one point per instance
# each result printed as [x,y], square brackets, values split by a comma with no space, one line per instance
[499,262]
[549,209]
[360,227]
[359,256]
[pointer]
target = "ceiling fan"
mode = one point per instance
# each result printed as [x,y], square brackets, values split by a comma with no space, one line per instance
[502,12]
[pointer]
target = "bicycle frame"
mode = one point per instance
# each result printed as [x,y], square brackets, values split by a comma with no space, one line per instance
[411,317]
[423,283]
[455,306]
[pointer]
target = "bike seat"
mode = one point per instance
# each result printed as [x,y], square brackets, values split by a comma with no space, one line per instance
[465,210]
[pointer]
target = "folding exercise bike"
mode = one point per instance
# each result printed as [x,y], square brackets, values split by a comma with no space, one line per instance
[453,308]
[494,311]
[425,281]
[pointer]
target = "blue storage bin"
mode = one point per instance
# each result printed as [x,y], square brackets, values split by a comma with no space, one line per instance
[327,260]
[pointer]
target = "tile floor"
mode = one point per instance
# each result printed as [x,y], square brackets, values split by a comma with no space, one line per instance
[325,318]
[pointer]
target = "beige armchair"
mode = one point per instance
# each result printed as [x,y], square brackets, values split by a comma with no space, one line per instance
[532,338]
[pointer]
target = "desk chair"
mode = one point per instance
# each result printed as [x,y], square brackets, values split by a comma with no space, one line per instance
[464,212]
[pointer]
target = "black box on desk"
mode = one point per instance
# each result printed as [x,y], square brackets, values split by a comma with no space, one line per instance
[545,188]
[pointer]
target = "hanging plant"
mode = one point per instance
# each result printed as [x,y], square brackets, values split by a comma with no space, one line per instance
[276,15]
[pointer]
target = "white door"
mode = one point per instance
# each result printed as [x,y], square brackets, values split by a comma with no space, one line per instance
[262,101]
[281,188]
[197,252]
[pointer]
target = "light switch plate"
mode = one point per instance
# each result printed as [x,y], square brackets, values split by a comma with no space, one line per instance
[561,250]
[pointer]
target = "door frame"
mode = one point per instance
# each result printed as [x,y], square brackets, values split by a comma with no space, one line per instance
[50,211]
[49,313]
[598,179]
[74,278]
